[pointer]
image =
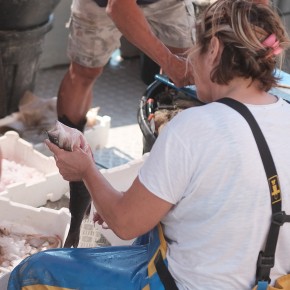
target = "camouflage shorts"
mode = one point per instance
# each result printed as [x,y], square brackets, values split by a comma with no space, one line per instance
[93,35]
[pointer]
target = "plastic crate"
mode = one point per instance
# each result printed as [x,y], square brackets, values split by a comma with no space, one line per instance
[120,177]
[42,220]
[52,187]
[97,136]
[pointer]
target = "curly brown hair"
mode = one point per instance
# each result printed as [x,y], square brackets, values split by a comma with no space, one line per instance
[241,26]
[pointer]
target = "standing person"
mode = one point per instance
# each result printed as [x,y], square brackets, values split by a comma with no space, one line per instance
[162,29]
[204,180]
[156,28]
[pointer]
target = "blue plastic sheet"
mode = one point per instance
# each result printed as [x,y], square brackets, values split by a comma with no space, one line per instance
[106,268]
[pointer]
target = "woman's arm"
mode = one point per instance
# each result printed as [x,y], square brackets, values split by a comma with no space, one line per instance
[130,213]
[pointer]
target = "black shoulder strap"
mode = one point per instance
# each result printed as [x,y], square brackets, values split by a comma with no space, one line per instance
[266,258]
[163,273]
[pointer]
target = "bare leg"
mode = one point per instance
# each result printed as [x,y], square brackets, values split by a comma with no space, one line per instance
[75,92]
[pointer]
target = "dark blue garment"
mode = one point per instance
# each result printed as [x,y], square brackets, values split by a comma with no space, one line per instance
[105,268]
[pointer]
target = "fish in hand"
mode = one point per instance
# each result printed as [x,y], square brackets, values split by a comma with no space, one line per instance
[79,205]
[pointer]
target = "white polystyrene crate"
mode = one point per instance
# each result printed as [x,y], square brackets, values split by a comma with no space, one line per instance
[52,187]
[120,177]
[97,136]
[42,220]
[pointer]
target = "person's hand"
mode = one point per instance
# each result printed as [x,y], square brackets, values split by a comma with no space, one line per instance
[179,72]
[98,219]
[72,165]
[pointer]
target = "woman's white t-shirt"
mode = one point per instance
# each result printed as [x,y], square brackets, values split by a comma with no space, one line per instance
[206,163]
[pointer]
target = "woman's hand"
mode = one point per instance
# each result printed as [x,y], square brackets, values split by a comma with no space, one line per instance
[98,219]
[72,165]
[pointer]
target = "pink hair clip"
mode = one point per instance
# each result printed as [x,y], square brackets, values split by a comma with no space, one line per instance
[272,42]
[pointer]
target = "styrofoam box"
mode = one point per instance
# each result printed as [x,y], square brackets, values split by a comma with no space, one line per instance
[97,136]
[43,220]
[120,177]
[52,187]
